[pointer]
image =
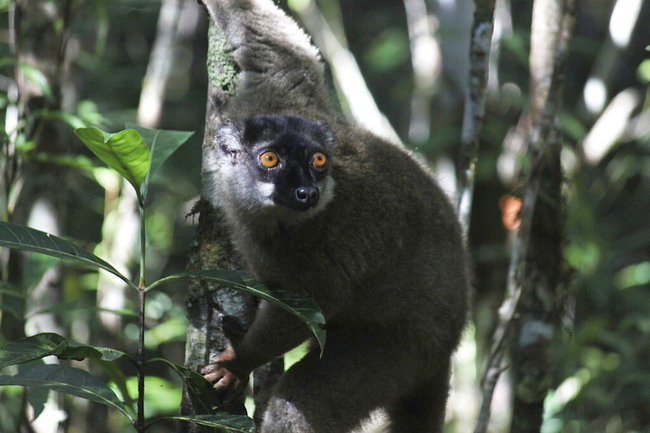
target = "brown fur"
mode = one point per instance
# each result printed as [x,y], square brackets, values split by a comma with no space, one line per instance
[384,259]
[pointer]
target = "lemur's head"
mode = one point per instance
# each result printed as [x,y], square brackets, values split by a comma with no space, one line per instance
[270,165]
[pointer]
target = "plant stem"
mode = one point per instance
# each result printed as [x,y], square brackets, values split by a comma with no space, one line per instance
[143,241]
[140,365]
[141,319]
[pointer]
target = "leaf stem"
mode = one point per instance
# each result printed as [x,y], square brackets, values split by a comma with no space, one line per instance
[143,240]
[140,425]
[140,364]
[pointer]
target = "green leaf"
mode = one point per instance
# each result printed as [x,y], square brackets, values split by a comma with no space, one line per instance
[37,398]
[224,421]
[198,388]
[69,380]
[118,380]
[37,77]
[26,238]
[38,265]
[124,151]
[300,305]
[29,349]
[162,143]
[78,351]
[41,345]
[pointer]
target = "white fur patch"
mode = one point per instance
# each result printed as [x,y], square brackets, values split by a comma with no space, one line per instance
[265,191]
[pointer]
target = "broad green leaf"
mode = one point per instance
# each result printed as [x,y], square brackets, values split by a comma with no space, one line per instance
[69,380]
[118,381]
[199,389]
[224,421]
[37,398]
[26,238]
[78,351]
[38,265]
[46,344]
[301,306]
[124,151]
[30,348]
[162,143]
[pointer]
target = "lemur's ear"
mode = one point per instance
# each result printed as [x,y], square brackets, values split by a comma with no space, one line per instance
[229,136]
[327,138]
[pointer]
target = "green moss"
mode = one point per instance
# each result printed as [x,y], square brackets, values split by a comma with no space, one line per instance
[222,70]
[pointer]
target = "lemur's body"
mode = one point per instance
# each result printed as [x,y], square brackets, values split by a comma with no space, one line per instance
[351,220]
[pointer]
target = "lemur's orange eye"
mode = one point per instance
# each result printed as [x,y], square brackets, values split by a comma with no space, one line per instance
[269,159]
[319,160]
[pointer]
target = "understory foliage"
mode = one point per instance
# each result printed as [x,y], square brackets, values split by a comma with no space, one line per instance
[69,64]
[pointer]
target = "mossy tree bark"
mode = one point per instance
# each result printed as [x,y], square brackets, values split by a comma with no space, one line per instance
[212,249]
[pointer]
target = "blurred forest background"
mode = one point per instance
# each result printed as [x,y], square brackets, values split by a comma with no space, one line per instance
[70,63]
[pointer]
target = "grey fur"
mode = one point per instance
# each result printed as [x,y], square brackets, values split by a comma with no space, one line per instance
[381,254]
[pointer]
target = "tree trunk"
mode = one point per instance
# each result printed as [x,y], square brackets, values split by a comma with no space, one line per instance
[212,249]
[542,229]
[535,272]
[39,32]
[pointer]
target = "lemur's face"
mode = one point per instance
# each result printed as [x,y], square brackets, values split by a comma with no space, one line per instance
[270,162]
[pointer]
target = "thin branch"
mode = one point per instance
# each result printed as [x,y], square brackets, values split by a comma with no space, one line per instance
[606,66]
[160,64]
[474,106]
[507,313]
[610,126]
[544,141]
[347,74]
[427,66]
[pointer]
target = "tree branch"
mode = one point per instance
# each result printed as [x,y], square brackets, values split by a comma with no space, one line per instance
[427,67]
[346,74]
[534,266]
[160,64]
[474,106]
[212,248]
